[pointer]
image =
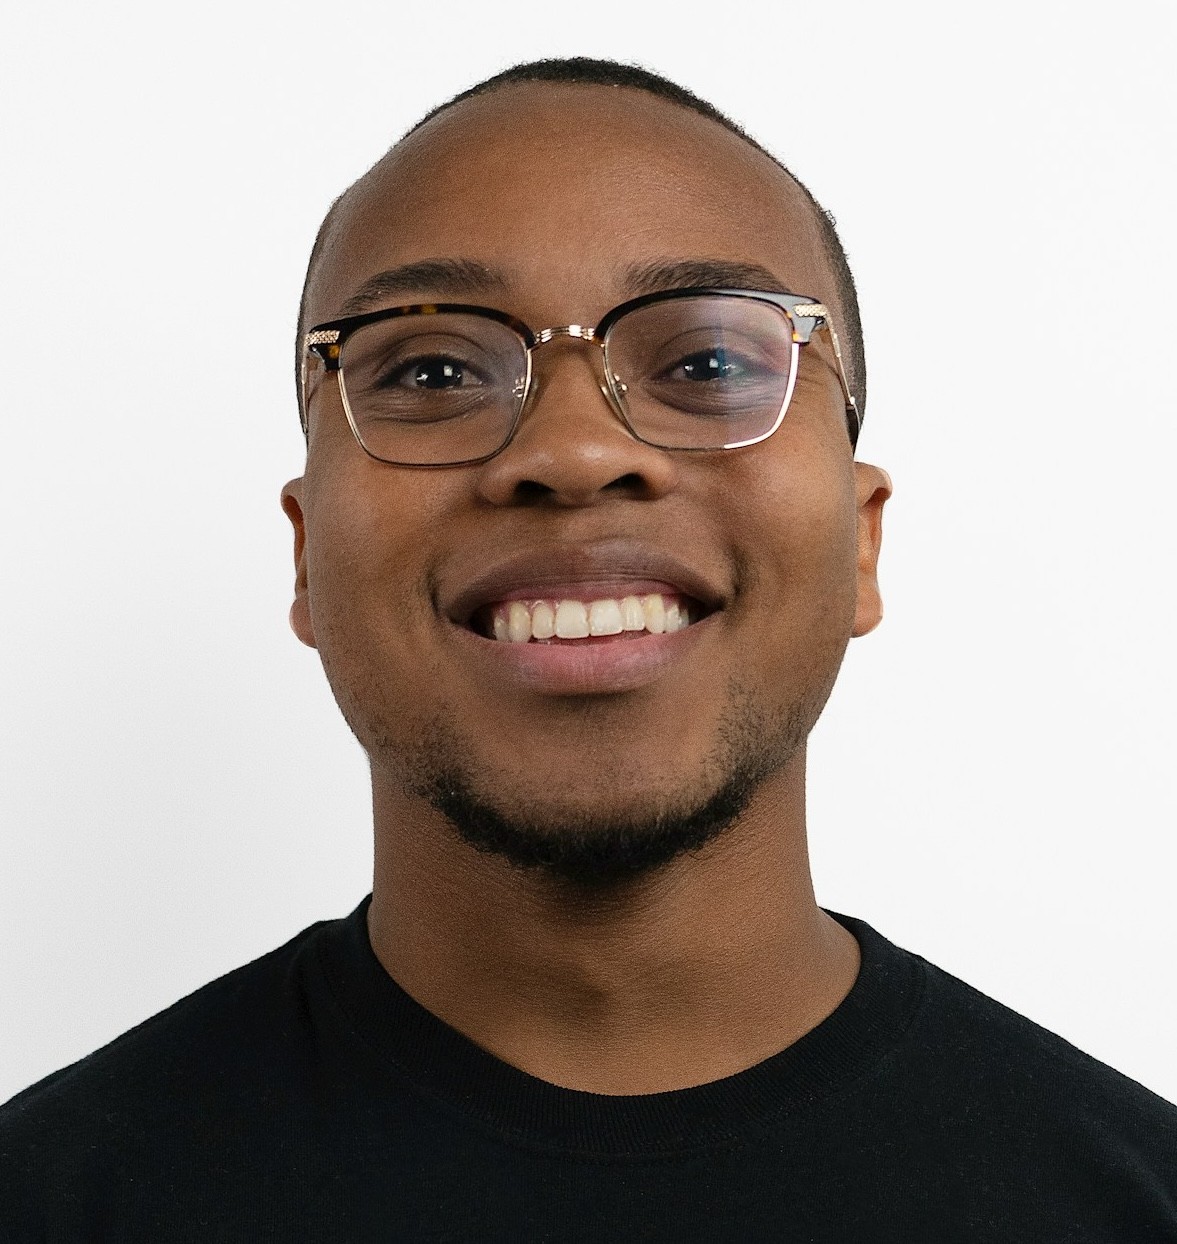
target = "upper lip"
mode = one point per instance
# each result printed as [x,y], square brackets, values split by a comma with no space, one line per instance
[606,562]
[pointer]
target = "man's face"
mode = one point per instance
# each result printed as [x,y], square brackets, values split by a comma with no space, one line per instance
[566,192]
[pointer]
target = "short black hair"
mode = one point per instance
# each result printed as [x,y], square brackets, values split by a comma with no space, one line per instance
[587,71]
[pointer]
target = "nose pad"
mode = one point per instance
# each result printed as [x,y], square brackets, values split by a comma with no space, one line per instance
[609,396]
[615,402]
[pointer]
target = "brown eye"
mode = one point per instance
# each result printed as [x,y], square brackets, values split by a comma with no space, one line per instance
[715,364]
[435,371]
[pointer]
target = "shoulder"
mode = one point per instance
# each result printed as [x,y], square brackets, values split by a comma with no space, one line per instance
[225,1040]
[1030,1081]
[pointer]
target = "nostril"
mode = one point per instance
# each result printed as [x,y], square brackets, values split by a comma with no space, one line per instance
[530,491]
[631,484]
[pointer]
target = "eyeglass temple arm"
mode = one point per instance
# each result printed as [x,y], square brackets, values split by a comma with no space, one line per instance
[324,345]
[819,316]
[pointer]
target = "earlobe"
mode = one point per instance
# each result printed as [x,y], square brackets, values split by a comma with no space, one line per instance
[873,487]
[300,609]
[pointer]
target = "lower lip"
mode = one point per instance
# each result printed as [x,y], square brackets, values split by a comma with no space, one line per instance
[602,667]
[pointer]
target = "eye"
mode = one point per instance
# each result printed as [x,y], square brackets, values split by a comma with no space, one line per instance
[432,371]
[716,363]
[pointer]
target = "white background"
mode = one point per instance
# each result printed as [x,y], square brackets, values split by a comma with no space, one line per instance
[992,783]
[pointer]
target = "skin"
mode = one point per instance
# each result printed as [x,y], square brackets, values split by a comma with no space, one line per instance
[703,967]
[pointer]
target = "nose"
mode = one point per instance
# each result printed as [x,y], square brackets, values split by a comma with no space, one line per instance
[571,447]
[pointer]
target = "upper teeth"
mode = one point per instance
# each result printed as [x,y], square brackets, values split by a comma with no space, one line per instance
[517,621]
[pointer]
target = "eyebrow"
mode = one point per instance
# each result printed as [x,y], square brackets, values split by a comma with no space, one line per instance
[439,277]
[659,274]
[459,278]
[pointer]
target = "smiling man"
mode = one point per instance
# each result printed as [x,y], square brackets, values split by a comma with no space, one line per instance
[581,542]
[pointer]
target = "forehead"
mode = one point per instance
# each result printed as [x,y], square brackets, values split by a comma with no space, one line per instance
[564,190]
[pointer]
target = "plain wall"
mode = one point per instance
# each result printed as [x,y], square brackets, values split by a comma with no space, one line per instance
[991,785]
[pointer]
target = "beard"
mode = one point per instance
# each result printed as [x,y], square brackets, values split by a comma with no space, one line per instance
[587,843]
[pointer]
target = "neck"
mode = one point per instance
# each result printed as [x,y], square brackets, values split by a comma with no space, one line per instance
[717,962]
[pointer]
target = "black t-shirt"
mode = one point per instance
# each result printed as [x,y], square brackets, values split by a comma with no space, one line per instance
[306,1097]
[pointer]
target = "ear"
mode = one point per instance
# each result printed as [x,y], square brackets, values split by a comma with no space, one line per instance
[300,610]
[872,488]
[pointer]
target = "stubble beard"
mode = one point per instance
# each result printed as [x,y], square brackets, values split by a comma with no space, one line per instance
[589,845]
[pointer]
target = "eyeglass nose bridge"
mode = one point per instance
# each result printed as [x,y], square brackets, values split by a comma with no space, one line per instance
[566,330]
[580,332]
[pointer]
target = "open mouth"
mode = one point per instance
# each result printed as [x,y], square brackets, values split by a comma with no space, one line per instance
[571,621]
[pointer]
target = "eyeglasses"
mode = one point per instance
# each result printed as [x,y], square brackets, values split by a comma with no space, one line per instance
[445,384]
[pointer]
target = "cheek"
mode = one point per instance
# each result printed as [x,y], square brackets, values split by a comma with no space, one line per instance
[369,592]
[799,564]
[368,548]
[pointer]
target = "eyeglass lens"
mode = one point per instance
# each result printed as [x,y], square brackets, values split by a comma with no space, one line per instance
[688,373]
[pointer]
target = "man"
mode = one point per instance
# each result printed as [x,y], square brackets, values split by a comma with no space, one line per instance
[581,542]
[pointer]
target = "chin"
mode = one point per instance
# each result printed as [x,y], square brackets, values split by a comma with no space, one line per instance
[589,843]
[582,811]
[599,826]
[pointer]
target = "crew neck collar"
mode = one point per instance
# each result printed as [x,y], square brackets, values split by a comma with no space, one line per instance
[412,1042]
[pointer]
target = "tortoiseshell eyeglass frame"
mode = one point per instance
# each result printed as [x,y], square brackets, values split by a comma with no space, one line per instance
[324,344]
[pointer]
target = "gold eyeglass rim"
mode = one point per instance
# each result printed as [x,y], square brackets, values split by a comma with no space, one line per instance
[324,342]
